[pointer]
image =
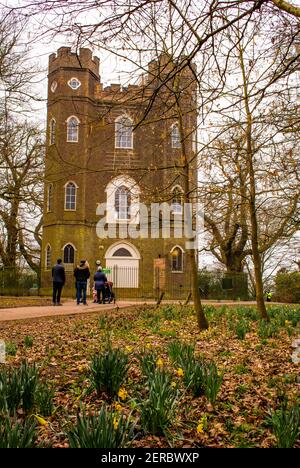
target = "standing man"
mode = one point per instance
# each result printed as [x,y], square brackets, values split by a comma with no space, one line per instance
[82,274]
[59,279]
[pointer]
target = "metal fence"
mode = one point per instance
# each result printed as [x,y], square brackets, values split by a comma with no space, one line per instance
[136,283]
[18,282]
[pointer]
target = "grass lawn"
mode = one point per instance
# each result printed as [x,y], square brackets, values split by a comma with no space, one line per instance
[244,373]
[24,301]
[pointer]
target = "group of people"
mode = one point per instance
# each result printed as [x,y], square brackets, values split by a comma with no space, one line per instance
[82,275]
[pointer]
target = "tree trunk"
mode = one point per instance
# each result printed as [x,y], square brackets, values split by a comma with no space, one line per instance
[188,172]
[201,319]
[252,202]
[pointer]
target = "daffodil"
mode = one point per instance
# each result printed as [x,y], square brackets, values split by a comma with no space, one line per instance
[180,372]
[117,406]
[128,348]
[200,428]
[116,423]
[202,424]
[159,362]
[40,420]
[122,393]
[173,384]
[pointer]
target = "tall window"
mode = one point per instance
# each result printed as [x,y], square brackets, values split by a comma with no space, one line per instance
[177,199]
[177,259]
[48,257]
[175,137]
[69,254]
[52,131]
[50,198]
[122,203]
[70,196]
[72,129]
[123,133]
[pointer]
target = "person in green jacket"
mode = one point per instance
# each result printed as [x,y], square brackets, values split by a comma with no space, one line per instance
[269,296]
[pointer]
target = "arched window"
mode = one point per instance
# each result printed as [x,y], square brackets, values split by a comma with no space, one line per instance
[175,136]
[70,196]
[123,200]
[123,133]
[177,259]
[48,257]
[122,203]
[69,254]
[72,129]
[50,197]
[177,199]
[122,252]
[52,131]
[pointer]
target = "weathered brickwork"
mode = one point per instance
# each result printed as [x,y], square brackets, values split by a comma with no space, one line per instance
[94,161]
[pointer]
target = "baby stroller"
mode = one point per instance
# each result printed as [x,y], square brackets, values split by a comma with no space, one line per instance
[109,293]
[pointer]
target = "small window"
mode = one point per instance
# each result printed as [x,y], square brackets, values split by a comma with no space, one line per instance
[70,196]
[50,198]
[177,200]
[53,86]
[122,203]
[177,259]
[122,252]
[74,83]
[69,254]
[48,257]
[52,131]
[123,133]
[175,137]
[72,129]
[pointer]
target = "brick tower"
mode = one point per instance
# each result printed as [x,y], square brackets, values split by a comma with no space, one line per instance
[96,154]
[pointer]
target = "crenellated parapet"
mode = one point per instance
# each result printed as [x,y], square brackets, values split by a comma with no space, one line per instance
[83,59]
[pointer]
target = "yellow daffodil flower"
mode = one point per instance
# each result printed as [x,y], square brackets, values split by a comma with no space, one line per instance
[200,428]
[116,423]
[122,393]
[159,362]
[117,406]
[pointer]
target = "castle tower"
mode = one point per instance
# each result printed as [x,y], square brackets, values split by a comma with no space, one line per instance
[96,154]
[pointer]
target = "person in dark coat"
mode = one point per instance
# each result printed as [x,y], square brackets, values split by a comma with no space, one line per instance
[59,279]
[100,280]
[82,274]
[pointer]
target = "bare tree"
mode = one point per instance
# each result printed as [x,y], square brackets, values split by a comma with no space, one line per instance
[21,148]
[21,173]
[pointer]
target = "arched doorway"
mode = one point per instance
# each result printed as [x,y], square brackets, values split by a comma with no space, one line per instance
[122,259]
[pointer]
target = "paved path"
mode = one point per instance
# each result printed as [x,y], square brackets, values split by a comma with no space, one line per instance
[70,308]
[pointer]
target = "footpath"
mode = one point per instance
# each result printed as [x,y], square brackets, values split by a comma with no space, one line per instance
[70,308]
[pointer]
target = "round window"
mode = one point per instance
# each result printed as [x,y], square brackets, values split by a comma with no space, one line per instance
[74,83]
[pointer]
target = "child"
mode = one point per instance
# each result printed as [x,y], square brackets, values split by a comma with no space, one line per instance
[94,294]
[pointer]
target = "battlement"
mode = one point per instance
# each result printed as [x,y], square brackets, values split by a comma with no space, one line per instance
[118,93]
[66,58]
[165,64]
